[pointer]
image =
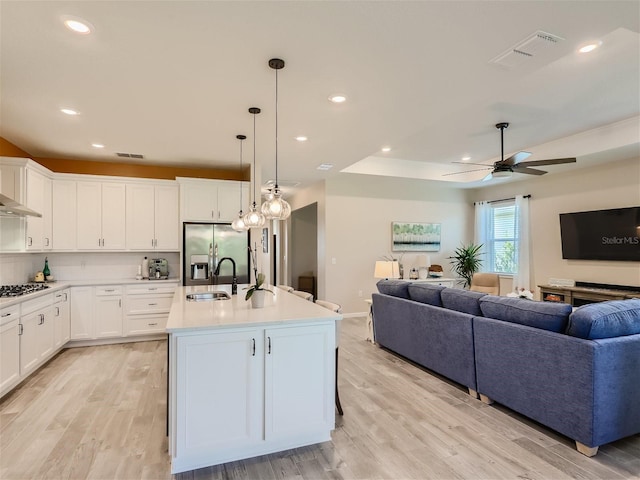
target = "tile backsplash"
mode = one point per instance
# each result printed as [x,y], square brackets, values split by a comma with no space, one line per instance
[18,268]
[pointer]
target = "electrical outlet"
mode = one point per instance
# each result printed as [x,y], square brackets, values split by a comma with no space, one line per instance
[333,260]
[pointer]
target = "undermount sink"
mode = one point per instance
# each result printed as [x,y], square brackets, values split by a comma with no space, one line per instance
[207,296]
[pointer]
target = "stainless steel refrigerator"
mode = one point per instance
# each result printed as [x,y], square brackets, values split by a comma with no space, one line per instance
[205,245]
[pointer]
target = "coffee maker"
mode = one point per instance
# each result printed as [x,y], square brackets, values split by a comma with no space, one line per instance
[158,269]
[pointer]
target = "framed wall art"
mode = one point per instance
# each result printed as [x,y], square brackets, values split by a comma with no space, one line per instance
[415,237]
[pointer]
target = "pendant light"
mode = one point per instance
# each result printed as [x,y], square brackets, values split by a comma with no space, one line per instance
[254,218]
[276,207]
[238,224]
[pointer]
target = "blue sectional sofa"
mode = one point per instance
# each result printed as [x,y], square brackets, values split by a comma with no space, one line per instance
[575,372]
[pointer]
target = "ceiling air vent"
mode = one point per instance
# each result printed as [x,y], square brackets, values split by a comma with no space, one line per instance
[129,155]
[534,45]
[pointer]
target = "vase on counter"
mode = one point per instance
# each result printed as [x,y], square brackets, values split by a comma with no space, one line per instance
[257,299]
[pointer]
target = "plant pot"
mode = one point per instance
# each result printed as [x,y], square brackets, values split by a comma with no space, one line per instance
[257,299]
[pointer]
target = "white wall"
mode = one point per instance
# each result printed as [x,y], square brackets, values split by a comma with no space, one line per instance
[359,212]
[612,185]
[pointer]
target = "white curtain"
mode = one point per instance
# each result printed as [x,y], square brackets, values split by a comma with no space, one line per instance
[523,278]
[482,225]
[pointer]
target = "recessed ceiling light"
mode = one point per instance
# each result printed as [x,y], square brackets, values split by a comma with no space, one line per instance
[386,149]
[97,145]
[69,111]
[590,47]
[466,158]
[301,138]
[325,166]
[338,98]
[77,25]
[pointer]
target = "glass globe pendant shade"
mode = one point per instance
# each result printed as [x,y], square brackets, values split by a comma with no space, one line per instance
[253,218]
[276,207]
[238,224]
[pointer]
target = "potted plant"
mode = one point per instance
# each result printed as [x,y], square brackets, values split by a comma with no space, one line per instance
[256,291]
[466,261]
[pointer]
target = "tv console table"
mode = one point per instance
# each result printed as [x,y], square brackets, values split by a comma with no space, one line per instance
[584,293]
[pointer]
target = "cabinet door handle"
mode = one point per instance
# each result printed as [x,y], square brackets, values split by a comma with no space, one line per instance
[5,315]
[30,241]
[253,349]
[65,297]
[47,244]
[152,304]
[268,345]
[57,311]
[154,288]
[21,329]
[152,324]
[110,290]
[120,303]
[41,315]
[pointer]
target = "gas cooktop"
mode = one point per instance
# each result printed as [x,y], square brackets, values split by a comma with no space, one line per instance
[17,290]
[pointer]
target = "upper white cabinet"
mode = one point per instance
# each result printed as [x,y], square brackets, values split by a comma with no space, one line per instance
[152,215]
[212,200]
[38,199]
[100,216]
[64,204]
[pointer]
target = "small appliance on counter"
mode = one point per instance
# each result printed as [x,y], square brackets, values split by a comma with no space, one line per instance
[158,269]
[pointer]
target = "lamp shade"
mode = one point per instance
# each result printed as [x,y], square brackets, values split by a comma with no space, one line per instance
[387,269]
[423,261]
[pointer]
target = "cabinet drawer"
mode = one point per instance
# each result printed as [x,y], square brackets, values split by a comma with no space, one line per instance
[145,324]
[61,296]
[9,314]
[37,304]
[108,290]
[143,304]
[151,289]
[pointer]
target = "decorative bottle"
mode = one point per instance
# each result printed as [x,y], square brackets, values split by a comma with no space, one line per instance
[45,271]
[145,268]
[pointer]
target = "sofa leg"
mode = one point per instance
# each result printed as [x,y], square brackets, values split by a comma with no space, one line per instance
[473,393]
[588,451]
[485,399]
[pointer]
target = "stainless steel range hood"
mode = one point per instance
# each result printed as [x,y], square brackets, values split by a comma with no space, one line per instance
[10,208]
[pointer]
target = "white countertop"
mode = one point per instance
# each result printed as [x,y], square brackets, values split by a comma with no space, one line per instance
[281,307]
[62,284]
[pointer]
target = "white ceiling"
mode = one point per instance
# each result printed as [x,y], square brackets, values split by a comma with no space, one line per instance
[173,80]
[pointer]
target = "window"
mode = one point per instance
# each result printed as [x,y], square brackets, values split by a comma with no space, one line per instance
[502,238]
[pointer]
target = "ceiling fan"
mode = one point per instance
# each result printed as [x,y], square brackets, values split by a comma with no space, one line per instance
[506,166]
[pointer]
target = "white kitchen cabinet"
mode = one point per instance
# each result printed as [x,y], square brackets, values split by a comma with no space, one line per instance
[298,375]
[100,216]
[61,318]
[219,391]
[147,308]
[108,311]
[81,313]
[212,200]
[36,200]
[63,206]
[152,217]
[243,392]
[9,348]
[36,335]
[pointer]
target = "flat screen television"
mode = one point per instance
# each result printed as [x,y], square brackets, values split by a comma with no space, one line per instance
[601,234]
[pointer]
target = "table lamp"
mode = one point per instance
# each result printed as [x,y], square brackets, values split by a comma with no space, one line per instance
[423,263]
[387,269]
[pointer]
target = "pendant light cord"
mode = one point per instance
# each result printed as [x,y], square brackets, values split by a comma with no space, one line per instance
[241,174]
[254,159]
[276,129]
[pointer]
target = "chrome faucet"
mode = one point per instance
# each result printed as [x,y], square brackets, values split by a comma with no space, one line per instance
[234,284]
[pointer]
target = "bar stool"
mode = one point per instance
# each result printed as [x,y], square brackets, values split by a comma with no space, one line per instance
[286,288]
[306,295]
[334,307]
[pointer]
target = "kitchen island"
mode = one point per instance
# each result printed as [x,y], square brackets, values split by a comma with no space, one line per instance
[245,382]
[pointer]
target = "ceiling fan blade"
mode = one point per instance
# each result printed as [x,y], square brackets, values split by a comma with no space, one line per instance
[515,158]
[528,171]
[470,163]
[553,161]
[467,171]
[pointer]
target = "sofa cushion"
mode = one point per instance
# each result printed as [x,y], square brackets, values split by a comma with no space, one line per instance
[605,319]
[463,301]
[395,288]
[426,293]
[545,315]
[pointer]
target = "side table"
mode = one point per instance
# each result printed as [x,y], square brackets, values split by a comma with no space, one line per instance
[370,333]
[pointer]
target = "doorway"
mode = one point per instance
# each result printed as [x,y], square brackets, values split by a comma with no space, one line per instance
[303,249]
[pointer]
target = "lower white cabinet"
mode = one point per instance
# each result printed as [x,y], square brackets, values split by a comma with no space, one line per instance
[36,335]
[147,308]
[238,393]
[9,348]
[61,318]
[82,313]
[108,311]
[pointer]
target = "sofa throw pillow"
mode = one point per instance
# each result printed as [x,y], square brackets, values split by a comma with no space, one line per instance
[395,288]
[463,301]
[426,293]
[544,315]
[605,319]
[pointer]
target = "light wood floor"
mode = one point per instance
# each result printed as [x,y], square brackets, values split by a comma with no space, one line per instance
[99,412]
